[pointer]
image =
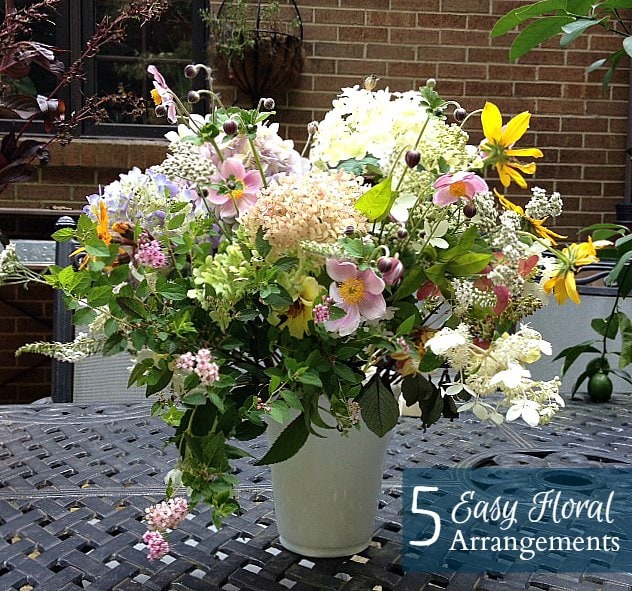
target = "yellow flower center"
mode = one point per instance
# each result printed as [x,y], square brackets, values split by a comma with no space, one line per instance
[236,193]
[352,291]
[156,96]
[458,189]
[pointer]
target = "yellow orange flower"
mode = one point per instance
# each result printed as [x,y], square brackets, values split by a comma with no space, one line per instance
[536,226]
[155,95]
[103,230]
[499,141]
[562,284]
[299,314]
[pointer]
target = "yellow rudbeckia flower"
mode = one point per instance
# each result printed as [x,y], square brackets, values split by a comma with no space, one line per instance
[499,141]
[562,284]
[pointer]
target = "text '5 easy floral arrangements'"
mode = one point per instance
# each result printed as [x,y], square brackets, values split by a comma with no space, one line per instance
[248,281]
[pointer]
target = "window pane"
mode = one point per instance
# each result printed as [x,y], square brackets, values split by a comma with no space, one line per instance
[165,43]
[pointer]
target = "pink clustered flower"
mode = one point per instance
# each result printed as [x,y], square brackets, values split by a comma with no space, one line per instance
[201,363]
[234,190]
[461,185]
[161,517]
[321,311]
[358,293]
[150,254]
[156,545]
[166,514]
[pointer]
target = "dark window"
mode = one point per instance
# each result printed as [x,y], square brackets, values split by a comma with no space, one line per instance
[170,43]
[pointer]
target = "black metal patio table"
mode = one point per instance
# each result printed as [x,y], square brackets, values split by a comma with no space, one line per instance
[75,481]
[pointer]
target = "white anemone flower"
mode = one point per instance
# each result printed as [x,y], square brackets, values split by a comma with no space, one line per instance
[445,340]
[511,377]
[434,234]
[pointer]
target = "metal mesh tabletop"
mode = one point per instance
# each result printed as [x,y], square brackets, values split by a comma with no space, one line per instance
[75,481]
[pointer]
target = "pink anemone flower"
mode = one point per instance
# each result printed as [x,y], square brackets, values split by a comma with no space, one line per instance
[165,93]
[460,185]
[358,293]
[235,189]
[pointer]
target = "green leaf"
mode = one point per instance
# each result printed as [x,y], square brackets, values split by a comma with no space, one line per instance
[176,221]
[132,307]
[431,409]
[536,33]
[468,264]
[411,282]
[519,15]
[606,328]
[573,30]
[378,407]
[417,388]
[291,439]
[377,201]
[275,295]
[64,234]
[347,374]
[100,296]
[171,290]
[291,399]
[625,357]
[309,378]
[570,354]
[279,411]
[98,248]
[580,379]
[617,270]
[262,245]
[83,316]
[195,398]
[406,327]
[430,362]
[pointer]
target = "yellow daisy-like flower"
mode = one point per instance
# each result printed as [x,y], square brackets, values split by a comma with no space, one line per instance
[103,231]
[499,141]
[562,284]
[536,226]
[299,314]
[155,95]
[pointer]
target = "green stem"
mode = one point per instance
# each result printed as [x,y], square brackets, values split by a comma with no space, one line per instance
[255,153]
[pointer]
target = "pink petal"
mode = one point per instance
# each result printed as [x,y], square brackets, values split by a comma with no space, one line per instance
[245,202]
[372,306]
[443,197]
[227,210]
[341,270]
[372,283]
[158,77]
[347,324]
[252,181]
[217,198]
[233,167]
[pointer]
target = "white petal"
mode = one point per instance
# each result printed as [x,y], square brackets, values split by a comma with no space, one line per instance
[531,416]
[514,412]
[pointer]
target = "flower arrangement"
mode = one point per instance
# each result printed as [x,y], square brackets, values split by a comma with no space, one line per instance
[248,281]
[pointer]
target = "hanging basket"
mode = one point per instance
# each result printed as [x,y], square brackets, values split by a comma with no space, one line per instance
[262,55]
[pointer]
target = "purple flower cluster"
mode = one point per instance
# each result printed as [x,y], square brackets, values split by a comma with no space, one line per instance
[201,363]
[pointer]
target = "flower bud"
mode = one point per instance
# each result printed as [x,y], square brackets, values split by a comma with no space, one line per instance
[395,272]
[370,82]
[230,127]
[431,83]
[268,104]
[160,111]
[412,158]
[191,71]
[384,264]
[193,97]
[402,233]
[312,127]
[460,114]
[349,231]
[469,210]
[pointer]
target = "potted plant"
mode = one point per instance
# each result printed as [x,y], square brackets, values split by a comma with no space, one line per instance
[257,47]
[256,288]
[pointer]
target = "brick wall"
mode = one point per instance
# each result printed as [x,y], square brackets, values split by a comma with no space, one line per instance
[583,134]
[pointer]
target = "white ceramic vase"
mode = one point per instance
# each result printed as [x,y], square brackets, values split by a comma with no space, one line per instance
[326,496]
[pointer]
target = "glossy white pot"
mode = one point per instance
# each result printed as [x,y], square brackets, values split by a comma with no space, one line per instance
[326,496]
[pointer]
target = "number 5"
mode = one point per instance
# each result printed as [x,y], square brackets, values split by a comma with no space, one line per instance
[433,514]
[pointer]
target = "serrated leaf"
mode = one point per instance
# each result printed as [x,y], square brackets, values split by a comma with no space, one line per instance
[64,234]
[100,296]
[83,316]
[536,33]
[291,399]
[310,378]
[291,439]
[377,201]
[132,307]
[176,221]
[347,374]
[195,398]
[279,411]
[378,407]
[171,290]
[261,244]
